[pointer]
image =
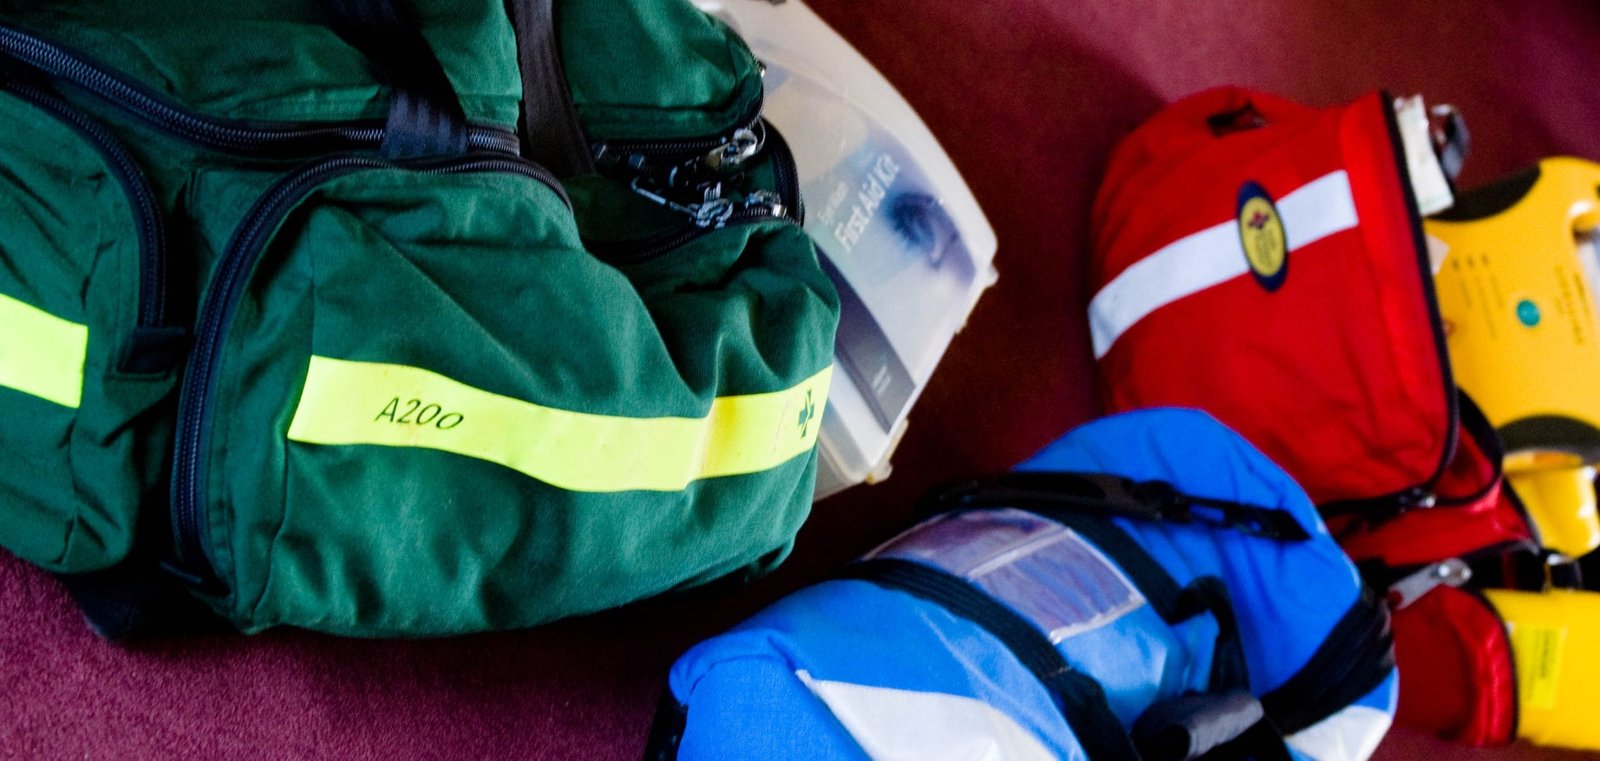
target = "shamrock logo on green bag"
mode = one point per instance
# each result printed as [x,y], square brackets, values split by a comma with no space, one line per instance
[807,412]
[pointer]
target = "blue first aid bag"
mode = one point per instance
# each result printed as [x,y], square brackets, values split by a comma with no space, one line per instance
[1150,586]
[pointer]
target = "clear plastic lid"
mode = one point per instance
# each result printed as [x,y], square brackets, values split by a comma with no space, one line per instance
[902,236]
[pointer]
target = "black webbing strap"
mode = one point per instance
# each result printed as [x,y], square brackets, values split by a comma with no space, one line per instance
[1230,725]
[1207,723]
[666,729]
[1356,656]
[1229,671]
[1081,700]
[1107,496]
[425,115]
[1213,724]
[1241,119]
[551,134]
[1082,502]
[1175,604]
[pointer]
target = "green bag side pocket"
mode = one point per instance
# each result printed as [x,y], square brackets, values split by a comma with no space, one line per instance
[434,412]
[86,354]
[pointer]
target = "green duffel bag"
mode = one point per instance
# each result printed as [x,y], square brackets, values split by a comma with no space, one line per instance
[428,385]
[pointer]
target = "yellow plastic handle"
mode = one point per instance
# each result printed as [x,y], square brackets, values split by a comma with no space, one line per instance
[1587,222]
[1560,497]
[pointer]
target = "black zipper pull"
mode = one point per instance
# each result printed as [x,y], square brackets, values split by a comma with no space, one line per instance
[709,206]
[1452,572]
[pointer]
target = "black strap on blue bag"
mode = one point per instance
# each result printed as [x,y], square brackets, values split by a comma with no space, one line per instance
[666,729]
[1356,657]
[425,115]
[1108,496]
[1196,725]
[1225,722]
[1081,700]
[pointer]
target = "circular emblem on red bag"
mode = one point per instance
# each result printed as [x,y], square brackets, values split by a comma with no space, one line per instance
[1261,235]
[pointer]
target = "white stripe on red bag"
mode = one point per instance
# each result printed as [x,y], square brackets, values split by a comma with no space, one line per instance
[1211,257]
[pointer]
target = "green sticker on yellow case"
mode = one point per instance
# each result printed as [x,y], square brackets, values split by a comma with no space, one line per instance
[1537,651]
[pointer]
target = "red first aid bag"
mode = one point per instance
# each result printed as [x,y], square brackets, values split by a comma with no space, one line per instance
[1264,261]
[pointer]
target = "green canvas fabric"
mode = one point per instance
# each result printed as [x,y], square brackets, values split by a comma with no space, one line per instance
[275,59]
[71,483]
[606,45]
[637,68]
[480,282]
[459,544]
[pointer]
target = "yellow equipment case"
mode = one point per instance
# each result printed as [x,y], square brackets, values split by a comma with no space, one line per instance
[1519,291]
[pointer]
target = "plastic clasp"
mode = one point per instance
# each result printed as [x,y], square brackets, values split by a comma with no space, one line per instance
[1452,572]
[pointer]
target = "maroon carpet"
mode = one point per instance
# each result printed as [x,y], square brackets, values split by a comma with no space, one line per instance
[1028,96]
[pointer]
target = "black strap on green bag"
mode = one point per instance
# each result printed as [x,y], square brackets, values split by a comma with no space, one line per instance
[425,115]
[146,595]
[555,138]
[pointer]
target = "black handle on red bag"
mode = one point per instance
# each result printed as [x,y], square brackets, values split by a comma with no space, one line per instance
[425,115]
[1448,131]
[1241,119]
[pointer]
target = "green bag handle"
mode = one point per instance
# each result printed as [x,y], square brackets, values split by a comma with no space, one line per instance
[425,115]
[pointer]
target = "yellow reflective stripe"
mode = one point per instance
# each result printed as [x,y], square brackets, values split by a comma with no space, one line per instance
[347,402]
[41,354]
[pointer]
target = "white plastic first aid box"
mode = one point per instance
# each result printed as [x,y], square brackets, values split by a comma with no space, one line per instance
[900,233]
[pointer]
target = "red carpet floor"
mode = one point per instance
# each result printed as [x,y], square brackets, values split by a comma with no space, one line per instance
[1028,96]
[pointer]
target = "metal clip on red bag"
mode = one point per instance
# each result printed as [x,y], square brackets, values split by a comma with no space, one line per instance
[1264,261]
